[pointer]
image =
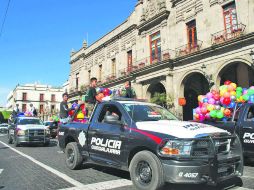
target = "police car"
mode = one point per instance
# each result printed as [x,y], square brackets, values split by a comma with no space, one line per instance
[152,144]
[28,130]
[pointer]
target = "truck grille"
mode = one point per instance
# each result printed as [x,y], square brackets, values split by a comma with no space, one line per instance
[203,147]
[36,132]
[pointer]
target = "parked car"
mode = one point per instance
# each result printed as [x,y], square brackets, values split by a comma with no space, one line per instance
[3,128]
[152,144]
[28,130]
[52,125]
[241,123]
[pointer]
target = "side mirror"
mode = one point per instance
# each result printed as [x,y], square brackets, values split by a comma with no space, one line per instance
[112,119]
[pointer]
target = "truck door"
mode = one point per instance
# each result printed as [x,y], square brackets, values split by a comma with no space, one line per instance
[247,125]
[107,141]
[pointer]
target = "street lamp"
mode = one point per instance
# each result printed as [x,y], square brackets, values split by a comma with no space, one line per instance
[209,78]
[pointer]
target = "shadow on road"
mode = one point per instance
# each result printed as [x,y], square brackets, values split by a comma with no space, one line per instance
[3,148]
[123,174]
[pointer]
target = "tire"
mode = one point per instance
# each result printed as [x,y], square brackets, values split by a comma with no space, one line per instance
[153,177]
[73,158]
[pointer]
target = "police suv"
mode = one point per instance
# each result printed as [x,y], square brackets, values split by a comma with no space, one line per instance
[28,130]
[152,144]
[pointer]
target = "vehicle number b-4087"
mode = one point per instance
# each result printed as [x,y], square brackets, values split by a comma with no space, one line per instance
[188,175]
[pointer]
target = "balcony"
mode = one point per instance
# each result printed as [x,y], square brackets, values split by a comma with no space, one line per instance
[110,77]
[188,48]
[230,33]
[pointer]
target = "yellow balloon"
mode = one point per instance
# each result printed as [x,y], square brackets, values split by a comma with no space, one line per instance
[80,116]
[233,93]
[233,85]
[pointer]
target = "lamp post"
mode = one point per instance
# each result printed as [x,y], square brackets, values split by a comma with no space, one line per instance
[209,78]
[252,58]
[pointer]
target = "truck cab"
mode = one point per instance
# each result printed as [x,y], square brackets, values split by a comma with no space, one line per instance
[152,144]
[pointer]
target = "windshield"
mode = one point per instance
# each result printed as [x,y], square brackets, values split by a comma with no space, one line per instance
[148,112]
[30,121]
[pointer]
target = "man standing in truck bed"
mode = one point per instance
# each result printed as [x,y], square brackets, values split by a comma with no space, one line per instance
[91,96]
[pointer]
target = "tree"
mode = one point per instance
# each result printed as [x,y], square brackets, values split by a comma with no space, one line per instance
[163,99]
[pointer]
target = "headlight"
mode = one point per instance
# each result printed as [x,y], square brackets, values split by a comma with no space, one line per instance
[176,148]
[21,132]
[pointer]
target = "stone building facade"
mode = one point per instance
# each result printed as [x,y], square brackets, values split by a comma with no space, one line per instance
[180,47]
[46,99]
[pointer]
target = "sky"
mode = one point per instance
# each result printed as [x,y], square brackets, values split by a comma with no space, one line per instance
[38,36]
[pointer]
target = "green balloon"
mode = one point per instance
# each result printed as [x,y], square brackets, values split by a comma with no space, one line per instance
[246,97]
[239,89]
[213,113]
[238,94]
[250,92]
[220,115]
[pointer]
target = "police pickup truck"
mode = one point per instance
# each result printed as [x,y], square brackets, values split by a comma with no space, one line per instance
[28,130]
[152,144]
[241,123]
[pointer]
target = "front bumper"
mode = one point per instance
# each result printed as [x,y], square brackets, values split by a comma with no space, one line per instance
[32,140]
[196,172]
[212,160]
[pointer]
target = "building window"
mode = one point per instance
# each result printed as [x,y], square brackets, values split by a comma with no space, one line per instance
[192,34]
[113,66]
[129,60]
[52,108]
[77,81]
[53,97]
[230,17]
[24,96]
[100,73]
[41,108]
[41,97]
[155,47]
[23,107]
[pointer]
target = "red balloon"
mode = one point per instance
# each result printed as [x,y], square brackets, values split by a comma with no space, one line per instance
[226,101]
[106,92]
[216,97]
[227,82]
[71,112]
[227,112]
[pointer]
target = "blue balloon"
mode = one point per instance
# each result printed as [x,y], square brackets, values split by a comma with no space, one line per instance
[74,105]
[205,100]
[232,105]
[224,119]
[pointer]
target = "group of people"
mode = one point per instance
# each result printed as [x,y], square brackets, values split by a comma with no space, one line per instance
[91,99]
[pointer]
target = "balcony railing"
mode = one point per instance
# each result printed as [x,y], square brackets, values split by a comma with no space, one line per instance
[188,48]
[142,63]
[230,33]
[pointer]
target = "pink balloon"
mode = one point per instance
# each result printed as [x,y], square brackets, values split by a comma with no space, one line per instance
[209,95]
[198,110]
[201,117]
[203,110]
[245,92]
[252,87]
[207,116]
[221,100]
[211,101]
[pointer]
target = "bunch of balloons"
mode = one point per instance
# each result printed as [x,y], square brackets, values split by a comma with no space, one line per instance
[28,114]
[219,105]
[103,92]
[80,117]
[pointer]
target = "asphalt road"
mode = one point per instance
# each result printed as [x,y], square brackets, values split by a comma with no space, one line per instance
[39,168]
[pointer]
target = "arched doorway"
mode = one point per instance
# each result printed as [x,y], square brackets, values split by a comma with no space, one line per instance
[194,84]
[155,88]
[237,72]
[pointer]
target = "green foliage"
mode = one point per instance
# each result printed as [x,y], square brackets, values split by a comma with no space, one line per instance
[163,99]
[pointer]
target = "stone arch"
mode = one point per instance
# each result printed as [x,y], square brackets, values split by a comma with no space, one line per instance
[158,87]
[237,70]
[193,84]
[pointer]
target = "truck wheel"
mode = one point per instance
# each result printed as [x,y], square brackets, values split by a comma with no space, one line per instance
[146,171]
[73,157]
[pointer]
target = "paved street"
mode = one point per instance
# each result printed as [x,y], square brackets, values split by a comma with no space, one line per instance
[37,167]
